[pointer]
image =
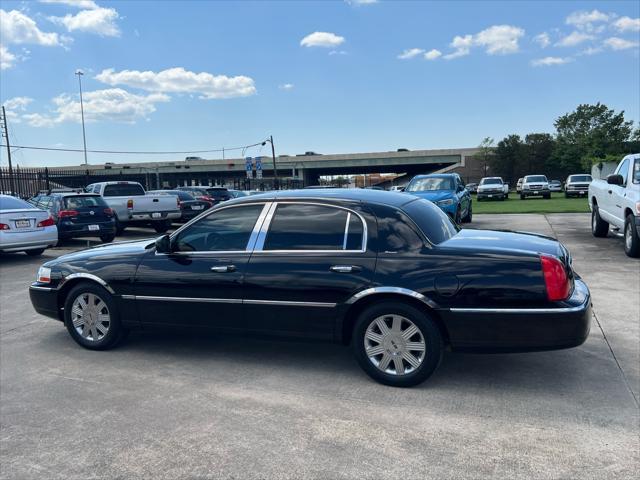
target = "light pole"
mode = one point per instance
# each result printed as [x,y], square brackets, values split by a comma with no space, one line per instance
[79,73]
[273,155]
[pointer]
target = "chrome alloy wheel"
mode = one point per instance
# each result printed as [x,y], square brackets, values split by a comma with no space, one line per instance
[90,316]
[394,344]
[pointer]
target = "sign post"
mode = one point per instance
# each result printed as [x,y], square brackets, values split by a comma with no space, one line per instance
[248,166]
[259,167]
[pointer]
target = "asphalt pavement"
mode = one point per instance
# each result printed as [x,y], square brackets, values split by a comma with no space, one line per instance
[188,405]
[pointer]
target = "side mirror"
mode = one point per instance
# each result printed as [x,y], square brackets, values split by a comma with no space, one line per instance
[615,179]
[163,244]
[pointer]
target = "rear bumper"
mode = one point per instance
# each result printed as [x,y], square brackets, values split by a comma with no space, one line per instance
[148,217]
[45,300]
[522,329]
[82,230]
[18,242]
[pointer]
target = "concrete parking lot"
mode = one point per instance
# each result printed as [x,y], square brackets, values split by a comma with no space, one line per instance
[187,405]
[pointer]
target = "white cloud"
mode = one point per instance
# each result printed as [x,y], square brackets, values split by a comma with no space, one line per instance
[616,43]
[410,53]
[542,39]
[549,61]
[112,104]
[591,51]
[17,103]
[286,86]
[573,39]
[18,28]
[496,40]
[101,21]
[179,80]
[586,20]
[627,24]
[338,52]
[7,58]
[88,4]
[322,39]
[432,54]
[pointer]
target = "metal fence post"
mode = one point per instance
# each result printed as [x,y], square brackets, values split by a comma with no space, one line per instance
[46,178]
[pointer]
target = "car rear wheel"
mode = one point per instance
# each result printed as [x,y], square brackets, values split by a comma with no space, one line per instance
[35,252]
[91,317]
[469,216]
[107,238]
[397,344]
[599,228]
[162,227]
[631,240]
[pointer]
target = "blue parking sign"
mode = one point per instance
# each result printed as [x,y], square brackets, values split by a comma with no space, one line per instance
[248,166]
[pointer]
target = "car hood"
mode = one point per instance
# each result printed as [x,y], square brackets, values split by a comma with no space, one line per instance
[104,252]
[506,241]
[433,195]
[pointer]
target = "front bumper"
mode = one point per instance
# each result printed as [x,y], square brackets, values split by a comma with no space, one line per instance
[492,194]
[45,300]
[522,329]
[533,193]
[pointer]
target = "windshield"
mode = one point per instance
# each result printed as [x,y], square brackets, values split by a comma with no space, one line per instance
[580,178]
[123,190]
[491,181]
[427,184]
[535,179]
[11,203]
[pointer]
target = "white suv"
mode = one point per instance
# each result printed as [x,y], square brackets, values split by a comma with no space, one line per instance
[535,185]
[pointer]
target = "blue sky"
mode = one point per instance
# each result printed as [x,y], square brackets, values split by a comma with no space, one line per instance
[327,76]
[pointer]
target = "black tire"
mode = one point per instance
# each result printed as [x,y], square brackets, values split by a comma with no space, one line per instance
[469,216]
[506,196]
[458,217]
[599,228]
[479,199]
[35,252]
[162,227]
[107,238]
[631,239]
[114,332]
[522,197]
[427,331]
[566,195]
[547,196]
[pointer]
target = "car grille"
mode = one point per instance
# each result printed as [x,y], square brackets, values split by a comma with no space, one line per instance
[578,187]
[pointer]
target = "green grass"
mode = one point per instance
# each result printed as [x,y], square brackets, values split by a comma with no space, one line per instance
[556,204]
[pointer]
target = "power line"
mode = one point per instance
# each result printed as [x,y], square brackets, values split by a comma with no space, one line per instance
[119,152]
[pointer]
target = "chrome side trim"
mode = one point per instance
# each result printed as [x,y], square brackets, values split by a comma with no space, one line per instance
[44,289]
[186,299]
[289,303]
[396,290]
[519,310]
[90,276]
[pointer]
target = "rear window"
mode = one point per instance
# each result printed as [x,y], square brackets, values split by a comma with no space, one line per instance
[218,193]
[83,202]
[11,203]
[433,222]
[123,190]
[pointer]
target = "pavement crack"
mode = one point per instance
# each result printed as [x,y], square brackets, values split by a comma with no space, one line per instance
[624,376]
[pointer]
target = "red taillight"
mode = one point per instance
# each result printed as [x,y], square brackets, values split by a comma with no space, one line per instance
[555,278]
[108,212]
[67,213]
[47,223]
[129,203]
[4,226]
[180,204]
[208,199]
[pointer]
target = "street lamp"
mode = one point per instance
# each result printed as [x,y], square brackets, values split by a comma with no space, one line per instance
[79,73]
[273,155]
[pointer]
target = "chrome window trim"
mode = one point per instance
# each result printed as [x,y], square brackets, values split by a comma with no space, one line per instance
[250,243]
[346,231]
[259,248]
[397,290]
[89,276]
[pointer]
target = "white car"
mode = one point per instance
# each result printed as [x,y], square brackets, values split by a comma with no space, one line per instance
[25,228]
[615,203]
[577,185]
[493,187]
[535,185]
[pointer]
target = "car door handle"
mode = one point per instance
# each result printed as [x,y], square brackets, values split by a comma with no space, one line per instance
[223,268]
[345,268]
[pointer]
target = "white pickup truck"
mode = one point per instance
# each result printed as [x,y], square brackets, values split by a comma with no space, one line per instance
[615,202]
[133,206]
[492,187]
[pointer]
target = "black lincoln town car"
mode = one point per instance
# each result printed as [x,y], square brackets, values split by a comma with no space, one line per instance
[386,272]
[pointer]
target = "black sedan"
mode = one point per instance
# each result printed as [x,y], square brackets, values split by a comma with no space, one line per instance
[189,206]
[388,273]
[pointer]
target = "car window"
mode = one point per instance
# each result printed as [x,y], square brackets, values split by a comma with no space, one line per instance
[81,201]
[396,232]
[123,190]
[623,170]
[636,171]
[580,178]
[12,203]
[44,202]
[430,183]
[490,181]
[313,227]
[228,229]
[535,178]
[434,223]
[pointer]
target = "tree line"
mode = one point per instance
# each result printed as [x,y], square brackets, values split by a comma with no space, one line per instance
[585,137]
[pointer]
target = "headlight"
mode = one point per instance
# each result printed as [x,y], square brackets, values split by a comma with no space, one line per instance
[444,203]
[637,208]
[44,275]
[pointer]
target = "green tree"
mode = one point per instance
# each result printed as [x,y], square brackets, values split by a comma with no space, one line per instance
[508,156]
[589,133]
[486,148]
[537,155]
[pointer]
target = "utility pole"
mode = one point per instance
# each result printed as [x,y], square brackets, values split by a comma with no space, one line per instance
[275,168]
[6,135]
[79,73]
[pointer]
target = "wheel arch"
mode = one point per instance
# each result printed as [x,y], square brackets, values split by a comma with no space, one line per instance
[408,297]
[73,280]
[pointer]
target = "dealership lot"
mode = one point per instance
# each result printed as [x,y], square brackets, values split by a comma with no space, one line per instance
[167,405]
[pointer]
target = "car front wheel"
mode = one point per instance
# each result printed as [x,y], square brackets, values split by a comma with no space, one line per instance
[91,317]
[631,240]
[396,344]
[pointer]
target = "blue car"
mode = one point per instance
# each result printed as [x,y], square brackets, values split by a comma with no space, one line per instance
[447,191]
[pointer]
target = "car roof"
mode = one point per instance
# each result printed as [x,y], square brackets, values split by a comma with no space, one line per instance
[437,175]
[333,194]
